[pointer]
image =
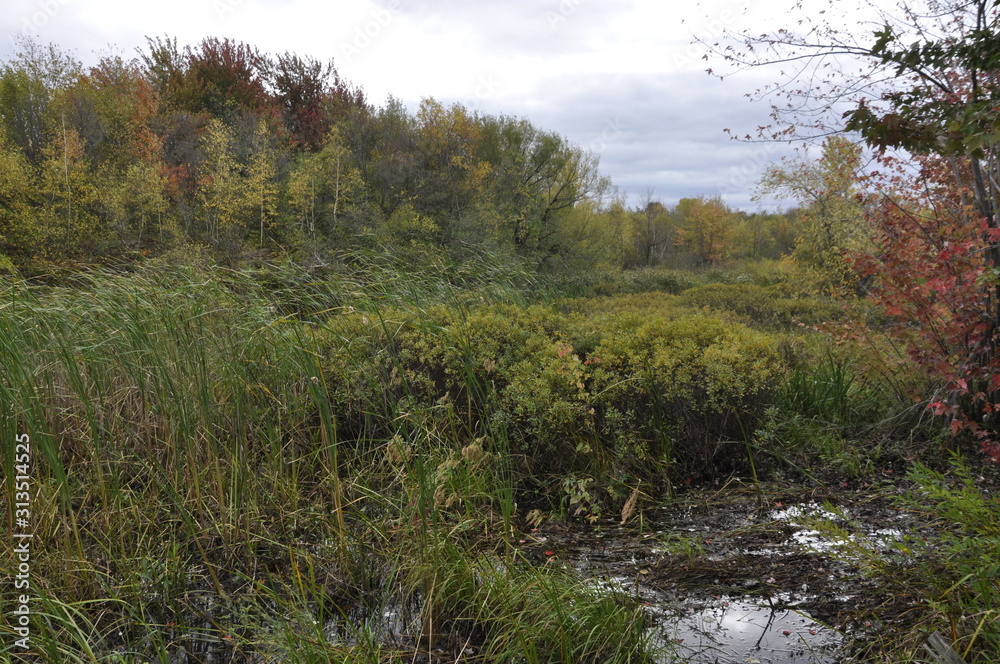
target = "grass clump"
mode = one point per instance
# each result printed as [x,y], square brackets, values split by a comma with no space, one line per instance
[953,560]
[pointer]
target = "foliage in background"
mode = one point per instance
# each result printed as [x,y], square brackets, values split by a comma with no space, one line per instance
[254,156]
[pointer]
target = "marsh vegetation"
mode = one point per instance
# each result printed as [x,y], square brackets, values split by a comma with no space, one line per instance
[351,462]
[286,376]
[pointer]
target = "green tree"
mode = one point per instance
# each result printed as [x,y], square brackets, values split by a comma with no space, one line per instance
[654,231]
[29,83]
[325,186]
[535,178]
[132,200]
[450,175]
[387,156]
[220,190]
[592,235]
[20,233]
[832,217]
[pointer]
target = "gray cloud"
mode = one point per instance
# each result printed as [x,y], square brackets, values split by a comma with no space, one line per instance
[619,78]
[664,132]
[551,27]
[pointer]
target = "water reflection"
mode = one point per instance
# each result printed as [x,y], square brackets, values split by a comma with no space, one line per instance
[733,632]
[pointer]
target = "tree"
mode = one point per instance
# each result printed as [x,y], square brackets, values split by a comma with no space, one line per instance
[564,176]
[221,77]
[832,217]
[324,186]
[389,156]
[450,173]
[19,230]
[534,177]
[260,180]
[28,85]
[312,97]
[68,193]
[23,107]
[220,191]
[300,86]
[591,234]
[707,228]
[929,85]
[654,234]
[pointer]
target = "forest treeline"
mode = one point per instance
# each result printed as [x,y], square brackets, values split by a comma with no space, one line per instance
[219,145]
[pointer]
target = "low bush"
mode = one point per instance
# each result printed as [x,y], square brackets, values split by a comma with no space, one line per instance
[599,394]
[954,560]
[770,306]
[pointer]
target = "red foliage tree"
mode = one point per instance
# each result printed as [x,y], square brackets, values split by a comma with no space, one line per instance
[312,96]
[929,274]
[928,87]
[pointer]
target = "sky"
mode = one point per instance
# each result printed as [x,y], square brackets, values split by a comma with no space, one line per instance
[619,77]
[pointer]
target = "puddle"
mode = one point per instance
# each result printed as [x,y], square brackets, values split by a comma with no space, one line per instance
[731,631]
[730,582]
[721,582]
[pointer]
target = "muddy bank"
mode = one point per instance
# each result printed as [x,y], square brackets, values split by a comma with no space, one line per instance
[744,573]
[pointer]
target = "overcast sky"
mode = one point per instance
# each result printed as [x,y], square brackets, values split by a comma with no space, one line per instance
[619,77]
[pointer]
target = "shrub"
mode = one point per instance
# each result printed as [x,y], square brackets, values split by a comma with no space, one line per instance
[762,305]
[634,390]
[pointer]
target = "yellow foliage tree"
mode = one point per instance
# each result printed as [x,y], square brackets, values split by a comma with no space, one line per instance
[323,185]
[831,218]
[68,194]
[218,184]
[261,173]
[707,226]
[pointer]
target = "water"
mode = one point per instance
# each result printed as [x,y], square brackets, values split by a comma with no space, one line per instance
[733,631]
[688,572]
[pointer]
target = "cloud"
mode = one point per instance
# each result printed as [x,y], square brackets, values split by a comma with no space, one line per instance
[660,131]
[620,78]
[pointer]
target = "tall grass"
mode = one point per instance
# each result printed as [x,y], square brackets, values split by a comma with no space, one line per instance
[195,486]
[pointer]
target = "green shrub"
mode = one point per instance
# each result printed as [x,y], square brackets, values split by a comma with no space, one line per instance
[699,378]
[762,305]
[619,389]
